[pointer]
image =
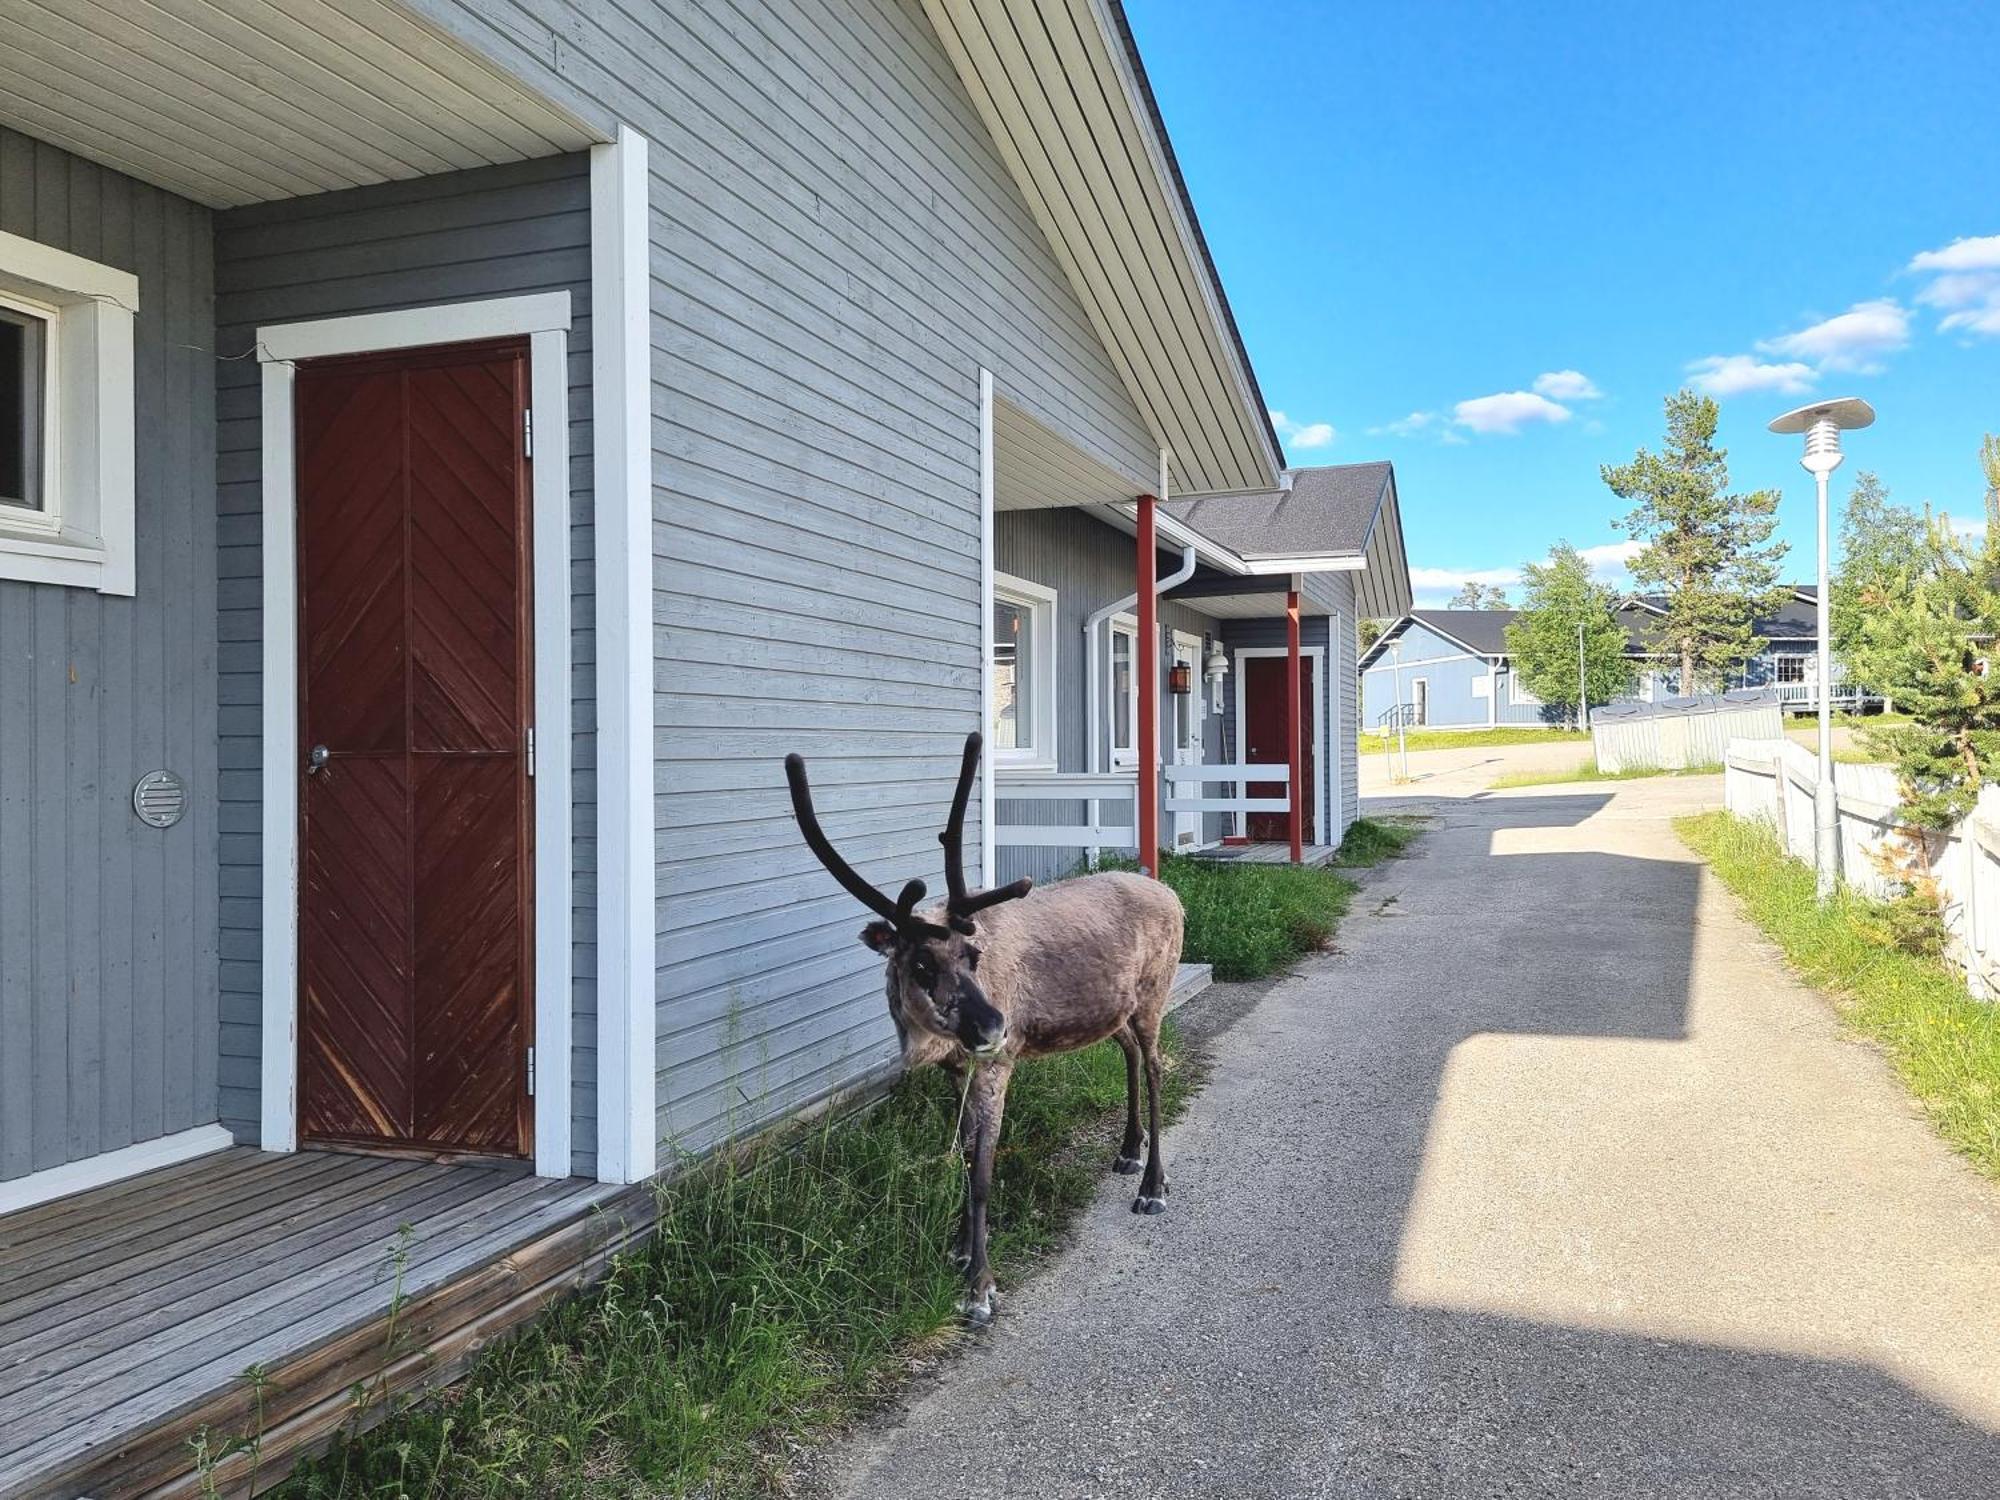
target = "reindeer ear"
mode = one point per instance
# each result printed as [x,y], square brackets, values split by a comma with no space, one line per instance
[880,936]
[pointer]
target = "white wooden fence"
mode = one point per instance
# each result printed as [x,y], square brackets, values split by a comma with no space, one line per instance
[1774,780]
[1240,776]
[1090,831]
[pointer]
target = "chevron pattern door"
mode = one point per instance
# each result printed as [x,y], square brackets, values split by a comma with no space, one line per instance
[416,911]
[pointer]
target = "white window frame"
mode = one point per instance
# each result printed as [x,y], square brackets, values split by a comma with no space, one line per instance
[1518,696]
[1125,759]
[1039,600]
[81,536]
[1778,660]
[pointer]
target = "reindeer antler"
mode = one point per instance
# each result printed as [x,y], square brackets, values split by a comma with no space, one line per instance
[960,906]
[901,911]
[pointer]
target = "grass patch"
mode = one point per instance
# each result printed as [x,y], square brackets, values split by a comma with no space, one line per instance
[1472,739]
[1588,772]
[1944,1044]
[784,1292]
[1253,920]
[1371,840]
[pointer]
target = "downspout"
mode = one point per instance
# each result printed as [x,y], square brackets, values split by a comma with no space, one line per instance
[1092,630]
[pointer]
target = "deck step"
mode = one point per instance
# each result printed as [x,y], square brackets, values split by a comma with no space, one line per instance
[1189,981]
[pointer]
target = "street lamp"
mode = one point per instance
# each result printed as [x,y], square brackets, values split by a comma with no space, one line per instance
[1822,423]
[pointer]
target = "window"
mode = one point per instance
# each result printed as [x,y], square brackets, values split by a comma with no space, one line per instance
[25,411]
[66,418]
[1124,693]
[1518,694]
[1023,729]
[1791,669]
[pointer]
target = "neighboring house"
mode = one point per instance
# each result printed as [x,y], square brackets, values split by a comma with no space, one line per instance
[1067,634]
[1450,668]
[455,451]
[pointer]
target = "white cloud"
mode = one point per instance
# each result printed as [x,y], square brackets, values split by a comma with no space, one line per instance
[1302,434]
[1854,340]
[1410,426]
[1964,283]
[1739,374]
[1456,578]
[1567,385]
[1507,412]
[1609,560]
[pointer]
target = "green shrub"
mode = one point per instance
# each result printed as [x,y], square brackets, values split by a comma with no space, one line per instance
[1371,840]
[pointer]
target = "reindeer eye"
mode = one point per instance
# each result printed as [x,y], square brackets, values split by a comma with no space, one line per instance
[925,970]
[971,956]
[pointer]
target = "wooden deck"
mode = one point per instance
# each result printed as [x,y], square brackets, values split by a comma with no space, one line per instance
[130,1313]
[1268,852]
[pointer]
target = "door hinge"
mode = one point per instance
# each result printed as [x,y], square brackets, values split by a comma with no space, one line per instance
[528,431]
[531,750]
[531,1072]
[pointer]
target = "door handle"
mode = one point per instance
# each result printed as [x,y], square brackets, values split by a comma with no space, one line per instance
[317,758]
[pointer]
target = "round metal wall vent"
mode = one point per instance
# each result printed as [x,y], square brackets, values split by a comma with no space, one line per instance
[160,799]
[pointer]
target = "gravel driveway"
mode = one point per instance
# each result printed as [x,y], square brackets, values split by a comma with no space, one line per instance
[1551,1183]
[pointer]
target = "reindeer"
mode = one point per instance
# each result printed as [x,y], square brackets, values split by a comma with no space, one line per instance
[1034,975]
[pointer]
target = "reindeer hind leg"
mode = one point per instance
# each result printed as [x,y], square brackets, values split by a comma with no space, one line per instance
[1152,1197]
[1128,1160]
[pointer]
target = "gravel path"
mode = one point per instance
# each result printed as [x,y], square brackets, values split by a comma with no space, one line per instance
[1552,1183]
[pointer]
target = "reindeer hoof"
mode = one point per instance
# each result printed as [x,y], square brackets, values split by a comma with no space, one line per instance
[1128,1166]
[1148,1205]
[978,1313]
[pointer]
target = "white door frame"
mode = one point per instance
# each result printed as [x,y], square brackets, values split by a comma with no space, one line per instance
[1318,657]
[544,319]
[1185,646]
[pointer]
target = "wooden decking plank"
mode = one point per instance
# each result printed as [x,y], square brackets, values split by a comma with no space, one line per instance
[99,1252]
[285,1317]
[176,1204]
[308,1401]
[26,1222]
[338,1270]
[68,1311]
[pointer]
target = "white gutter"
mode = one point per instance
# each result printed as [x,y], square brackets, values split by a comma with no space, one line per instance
[1092,626]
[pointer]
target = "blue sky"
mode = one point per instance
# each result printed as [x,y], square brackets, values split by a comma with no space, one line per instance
[1486,240]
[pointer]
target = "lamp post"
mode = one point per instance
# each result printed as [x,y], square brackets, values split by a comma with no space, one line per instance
[1822,423]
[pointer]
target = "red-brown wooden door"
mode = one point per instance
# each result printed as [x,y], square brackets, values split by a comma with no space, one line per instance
[1264,739]
[415,906]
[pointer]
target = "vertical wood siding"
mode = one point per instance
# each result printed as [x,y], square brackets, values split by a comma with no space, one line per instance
[837,251]
[1089,565]
[1339,593]
[495,232]
[108,927]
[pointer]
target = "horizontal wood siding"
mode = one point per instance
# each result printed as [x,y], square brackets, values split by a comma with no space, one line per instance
[1089,565]
[493,232]
[108,927]
[1339,593]
[837,251]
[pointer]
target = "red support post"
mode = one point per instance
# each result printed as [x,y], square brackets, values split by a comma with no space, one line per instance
[1146,663]
[1295,746]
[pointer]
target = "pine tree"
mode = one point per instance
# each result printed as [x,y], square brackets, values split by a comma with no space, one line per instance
[1560,596]
[1473,595]
[1707,550]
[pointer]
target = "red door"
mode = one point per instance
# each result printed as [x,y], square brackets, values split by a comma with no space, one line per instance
[415,914]
[1264,737]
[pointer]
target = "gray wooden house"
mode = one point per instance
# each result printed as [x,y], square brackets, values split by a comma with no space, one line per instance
[450,450]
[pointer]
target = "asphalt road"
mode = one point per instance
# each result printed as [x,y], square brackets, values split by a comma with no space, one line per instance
[1550,1183]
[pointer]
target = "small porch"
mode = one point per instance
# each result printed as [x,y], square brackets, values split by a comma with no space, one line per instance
[130,1313]
[1268,852]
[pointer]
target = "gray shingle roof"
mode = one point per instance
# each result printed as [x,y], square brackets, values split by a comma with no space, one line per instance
[1327,512]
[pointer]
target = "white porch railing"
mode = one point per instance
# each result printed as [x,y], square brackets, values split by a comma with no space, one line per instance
[1091,789]
[1241,776]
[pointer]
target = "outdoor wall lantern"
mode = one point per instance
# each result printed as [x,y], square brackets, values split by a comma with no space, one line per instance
[1215,668]
[1180,678]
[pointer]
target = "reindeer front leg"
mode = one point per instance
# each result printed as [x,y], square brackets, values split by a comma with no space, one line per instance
[986,1104]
